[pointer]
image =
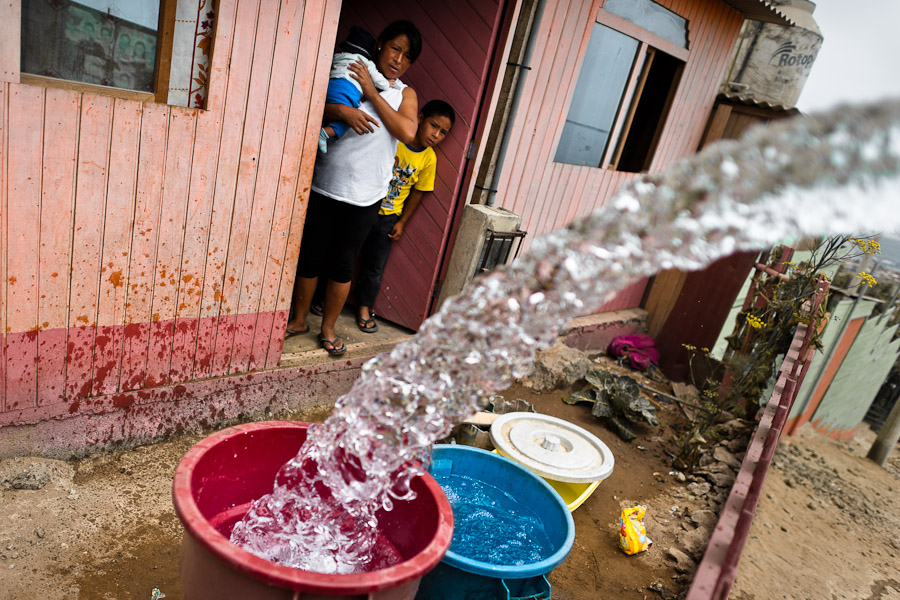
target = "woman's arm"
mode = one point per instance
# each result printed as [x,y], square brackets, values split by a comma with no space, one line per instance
[359,121]
[401,123]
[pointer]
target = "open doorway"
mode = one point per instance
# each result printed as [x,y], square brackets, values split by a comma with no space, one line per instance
[459,43]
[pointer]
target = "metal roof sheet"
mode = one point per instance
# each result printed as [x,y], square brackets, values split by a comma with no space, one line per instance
[761,10]
[748,100]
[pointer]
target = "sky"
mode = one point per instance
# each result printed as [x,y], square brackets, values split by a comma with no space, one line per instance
[857,62]
[858,59]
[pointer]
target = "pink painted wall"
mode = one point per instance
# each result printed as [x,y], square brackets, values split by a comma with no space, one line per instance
[146,245]
[549,195]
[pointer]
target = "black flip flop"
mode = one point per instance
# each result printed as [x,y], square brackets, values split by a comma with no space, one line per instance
[335,350]
[363,324]
[292,332]
[317,309]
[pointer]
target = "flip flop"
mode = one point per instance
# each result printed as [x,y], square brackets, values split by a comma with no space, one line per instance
[363,324]
[317,309]
[335,350]
[292,332]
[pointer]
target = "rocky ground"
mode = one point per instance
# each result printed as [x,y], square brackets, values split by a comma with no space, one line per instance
[828,524]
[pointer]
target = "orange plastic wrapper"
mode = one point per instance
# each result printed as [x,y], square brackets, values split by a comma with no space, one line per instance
[632,534]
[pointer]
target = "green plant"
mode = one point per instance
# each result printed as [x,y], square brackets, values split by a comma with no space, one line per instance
[782,297]
[618,400]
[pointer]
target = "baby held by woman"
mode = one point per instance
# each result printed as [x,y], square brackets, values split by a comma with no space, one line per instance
[344,89]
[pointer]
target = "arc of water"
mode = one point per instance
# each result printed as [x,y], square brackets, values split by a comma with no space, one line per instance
[834,173]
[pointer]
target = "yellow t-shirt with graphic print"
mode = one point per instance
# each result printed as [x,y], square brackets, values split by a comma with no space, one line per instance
[412,169]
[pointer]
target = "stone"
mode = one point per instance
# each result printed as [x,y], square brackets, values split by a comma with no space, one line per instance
[659,588]
[557,367]
[738,444]
[694,542]
[29,473]
[720,480]
[683,562]
[724,456]
[704,519]
[698,488]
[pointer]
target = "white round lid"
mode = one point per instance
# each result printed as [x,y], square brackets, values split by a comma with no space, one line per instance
[552,448]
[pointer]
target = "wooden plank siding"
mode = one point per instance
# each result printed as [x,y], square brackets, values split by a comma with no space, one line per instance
[549,194]
[146,245]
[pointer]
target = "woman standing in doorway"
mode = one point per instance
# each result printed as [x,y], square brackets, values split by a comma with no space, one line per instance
[352,178]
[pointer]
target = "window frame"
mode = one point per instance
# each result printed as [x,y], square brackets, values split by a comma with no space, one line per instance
[160,94]
[648,45]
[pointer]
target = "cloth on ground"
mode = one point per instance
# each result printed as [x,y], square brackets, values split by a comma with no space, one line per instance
[638,349]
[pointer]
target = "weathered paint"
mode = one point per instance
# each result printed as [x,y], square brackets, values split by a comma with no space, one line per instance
[146,245]
[146,415]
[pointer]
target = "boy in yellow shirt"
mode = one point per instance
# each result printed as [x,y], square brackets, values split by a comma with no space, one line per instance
[414,171]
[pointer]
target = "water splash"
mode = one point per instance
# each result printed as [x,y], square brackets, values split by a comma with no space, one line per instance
[835,173]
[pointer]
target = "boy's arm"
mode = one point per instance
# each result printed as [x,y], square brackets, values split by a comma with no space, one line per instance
[409,207]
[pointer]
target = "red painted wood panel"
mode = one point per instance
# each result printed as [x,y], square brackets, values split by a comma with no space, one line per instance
[700,311]
[200,201]
[224,198]
[170,238]
[90,201]
[58,209]
[117,234]
[150,178]
[4,236]
[232,324]
[26,110]
[300,147]
[271,154]
[295,188]
[452,66]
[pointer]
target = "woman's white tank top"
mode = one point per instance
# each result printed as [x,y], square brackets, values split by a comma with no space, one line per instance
[357,168]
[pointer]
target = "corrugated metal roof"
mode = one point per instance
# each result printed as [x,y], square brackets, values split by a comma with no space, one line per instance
[749,100]
[761,10]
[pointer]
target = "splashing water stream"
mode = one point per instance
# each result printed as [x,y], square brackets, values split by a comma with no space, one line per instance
[835,173]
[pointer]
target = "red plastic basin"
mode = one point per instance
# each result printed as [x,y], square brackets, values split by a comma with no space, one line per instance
[217,480]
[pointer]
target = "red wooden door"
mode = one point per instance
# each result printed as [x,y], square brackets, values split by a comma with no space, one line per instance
[456,51]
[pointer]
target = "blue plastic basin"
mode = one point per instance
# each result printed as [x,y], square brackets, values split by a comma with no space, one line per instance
[493,580]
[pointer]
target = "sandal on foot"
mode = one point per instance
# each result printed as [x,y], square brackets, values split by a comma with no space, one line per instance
[335,350]
[367,325]
[292,332]
[317,309]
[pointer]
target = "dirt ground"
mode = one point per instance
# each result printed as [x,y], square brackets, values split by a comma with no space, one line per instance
[828,523]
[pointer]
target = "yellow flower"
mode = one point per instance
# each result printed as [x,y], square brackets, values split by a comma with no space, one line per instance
[866,279]
[755,322]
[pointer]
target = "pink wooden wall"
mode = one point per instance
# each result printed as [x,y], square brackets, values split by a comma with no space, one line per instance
[148,245]
[549,195]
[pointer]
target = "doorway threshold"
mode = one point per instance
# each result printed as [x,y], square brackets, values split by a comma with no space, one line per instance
[304,349]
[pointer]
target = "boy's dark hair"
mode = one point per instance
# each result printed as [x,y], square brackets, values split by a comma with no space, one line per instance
[359,41]
[398,28]
[438,108]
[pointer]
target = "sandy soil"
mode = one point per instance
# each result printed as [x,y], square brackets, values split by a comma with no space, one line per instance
[828,527]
